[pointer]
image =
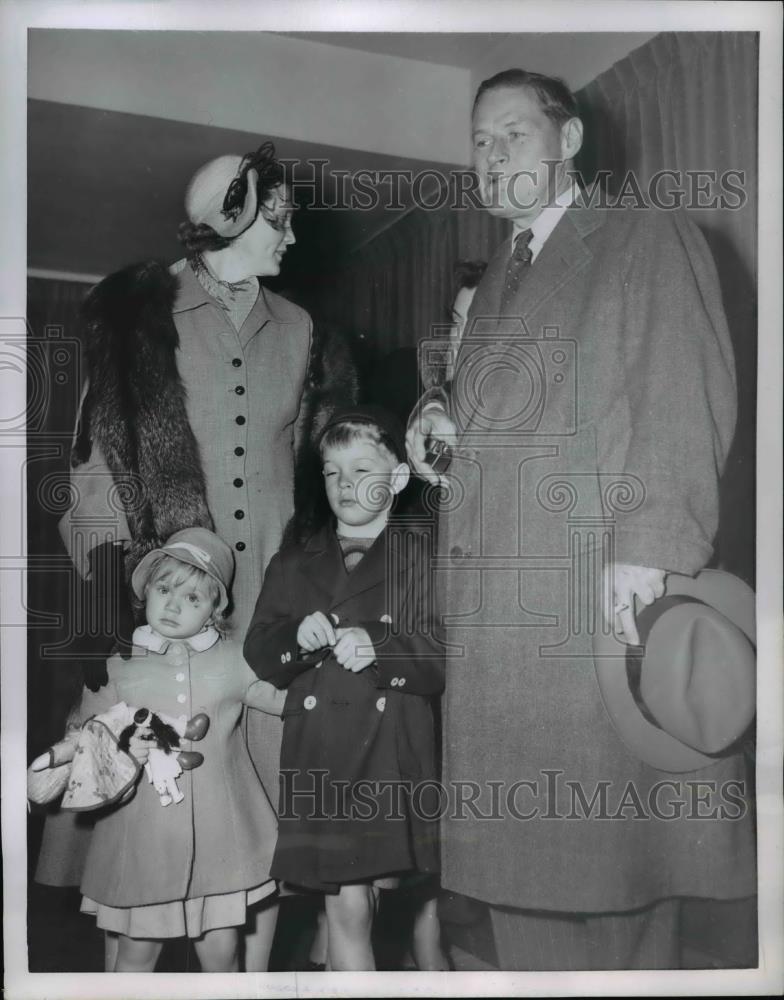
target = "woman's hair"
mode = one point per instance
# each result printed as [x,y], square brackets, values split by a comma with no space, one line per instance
[167,569]
[200,237]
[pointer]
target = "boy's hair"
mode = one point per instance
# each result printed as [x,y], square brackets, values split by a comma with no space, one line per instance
[348,431]
[167,568]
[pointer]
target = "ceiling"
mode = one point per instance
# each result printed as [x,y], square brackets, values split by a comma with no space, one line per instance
[465,50]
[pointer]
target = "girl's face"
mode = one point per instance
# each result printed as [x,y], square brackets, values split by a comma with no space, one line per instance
[178,607]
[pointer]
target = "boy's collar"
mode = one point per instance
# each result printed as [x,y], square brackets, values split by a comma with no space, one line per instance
[146,637]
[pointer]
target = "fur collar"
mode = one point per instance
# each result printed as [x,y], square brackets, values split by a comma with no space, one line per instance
[135,407]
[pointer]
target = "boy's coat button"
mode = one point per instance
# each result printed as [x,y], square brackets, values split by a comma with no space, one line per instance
[310,702]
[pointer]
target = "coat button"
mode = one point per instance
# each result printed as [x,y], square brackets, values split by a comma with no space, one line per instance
[386,619]
[237,362]
[239,420]
[401,682]
[238,482]
[240,546]
[181,698]
[239,514]
[240,390]
[381,704]
[239,450]
[309,702]
[180,677]
[394,682]
[282,657]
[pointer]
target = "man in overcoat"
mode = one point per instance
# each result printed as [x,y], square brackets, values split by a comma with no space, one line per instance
[591,411]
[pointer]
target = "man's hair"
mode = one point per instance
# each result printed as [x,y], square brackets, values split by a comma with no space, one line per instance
[555,98]
[468,273]
[347,432]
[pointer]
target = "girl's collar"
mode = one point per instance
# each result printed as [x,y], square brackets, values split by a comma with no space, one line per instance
[146,637]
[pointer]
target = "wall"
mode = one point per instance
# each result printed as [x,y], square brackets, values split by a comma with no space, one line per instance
[262,83]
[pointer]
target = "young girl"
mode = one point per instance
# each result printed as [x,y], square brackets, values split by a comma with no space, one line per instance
[194,867]
[345,623]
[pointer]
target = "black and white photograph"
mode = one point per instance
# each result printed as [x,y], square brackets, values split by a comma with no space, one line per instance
[390,429]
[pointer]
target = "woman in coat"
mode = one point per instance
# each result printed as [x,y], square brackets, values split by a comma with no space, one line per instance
[200,383]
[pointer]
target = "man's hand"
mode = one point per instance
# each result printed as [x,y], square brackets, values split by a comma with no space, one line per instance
[316,631]
[354,650]
[433,422]
[622,584]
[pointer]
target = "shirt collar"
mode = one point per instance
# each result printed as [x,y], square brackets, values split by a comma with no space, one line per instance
[146,637]
[191,293]
[547,220]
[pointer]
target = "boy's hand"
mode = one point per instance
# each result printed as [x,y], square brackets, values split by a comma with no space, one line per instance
[316,631]
[354,650]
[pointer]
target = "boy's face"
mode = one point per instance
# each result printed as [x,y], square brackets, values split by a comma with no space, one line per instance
[359,482]
[177,610]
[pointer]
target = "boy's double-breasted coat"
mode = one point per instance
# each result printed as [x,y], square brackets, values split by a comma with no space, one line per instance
[595,411]
[357,798]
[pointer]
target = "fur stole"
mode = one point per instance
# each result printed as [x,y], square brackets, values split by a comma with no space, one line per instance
[135,404]
[135,407]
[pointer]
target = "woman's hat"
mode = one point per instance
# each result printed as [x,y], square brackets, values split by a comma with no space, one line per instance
[375,416]
[197,547]
[688,692]
[206,194]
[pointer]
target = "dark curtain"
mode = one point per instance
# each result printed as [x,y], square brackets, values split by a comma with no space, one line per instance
[682,102]
[55,373]
[688,102]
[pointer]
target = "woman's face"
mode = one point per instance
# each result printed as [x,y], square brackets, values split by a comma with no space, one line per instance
[263,244]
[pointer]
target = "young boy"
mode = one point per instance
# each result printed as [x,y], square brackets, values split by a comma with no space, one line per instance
[345,623]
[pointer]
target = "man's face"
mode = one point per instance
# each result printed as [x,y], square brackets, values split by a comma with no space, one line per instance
[519,154]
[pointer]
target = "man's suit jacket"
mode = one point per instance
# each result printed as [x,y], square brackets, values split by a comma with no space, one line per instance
[595,416]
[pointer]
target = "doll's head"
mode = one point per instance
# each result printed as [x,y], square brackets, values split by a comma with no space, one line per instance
[184,585]
[363,461]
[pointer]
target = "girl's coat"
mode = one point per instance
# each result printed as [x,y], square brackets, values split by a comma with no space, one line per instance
[219,839]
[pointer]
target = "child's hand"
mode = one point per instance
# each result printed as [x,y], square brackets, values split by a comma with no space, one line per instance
[316,631]
[140,744]
[353,649]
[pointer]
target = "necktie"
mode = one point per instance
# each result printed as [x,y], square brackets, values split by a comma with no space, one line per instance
[518,265]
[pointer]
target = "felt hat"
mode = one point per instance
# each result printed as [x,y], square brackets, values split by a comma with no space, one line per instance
[197,547]
[376,416]
[688,692]
[207,191]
